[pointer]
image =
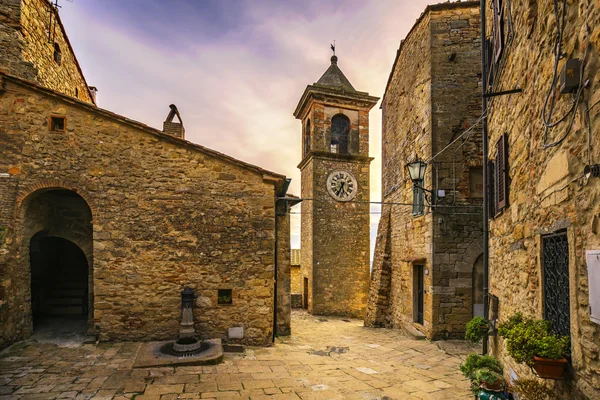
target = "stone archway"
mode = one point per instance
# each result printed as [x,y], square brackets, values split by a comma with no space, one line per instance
[57,247]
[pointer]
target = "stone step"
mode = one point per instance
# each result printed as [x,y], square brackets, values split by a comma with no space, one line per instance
[413,332]
[59,301]
[68,310]
[57,294]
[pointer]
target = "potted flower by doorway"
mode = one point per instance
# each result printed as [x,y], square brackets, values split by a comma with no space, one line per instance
[476,329]
[533,343]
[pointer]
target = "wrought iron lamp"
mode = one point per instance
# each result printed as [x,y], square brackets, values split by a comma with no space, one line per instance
[416,171]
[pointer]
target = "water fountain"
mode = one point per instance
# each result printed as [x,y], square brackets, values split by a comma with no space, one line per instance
[187,349]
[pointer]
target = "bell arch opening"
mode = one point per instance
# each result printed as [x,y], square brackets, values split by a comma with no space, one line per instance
[57,241]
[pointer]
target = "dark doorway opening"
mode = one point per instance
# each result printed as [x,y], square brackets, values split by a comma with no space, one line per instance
[305,296]
[478,287]
[59,285]
[418,295]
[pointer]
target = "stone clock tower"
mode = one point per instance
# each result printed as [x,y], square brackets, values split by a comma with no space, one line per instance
[335,188]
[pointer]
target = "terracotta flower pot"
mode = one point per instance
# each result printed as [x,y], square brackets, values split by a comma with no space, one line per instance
[497,386]
[548,368]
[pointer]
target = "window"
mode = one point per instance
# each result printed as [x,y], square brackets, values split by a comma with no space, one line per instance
[498,41]
[476,182]
[418,198]
[224,296]
[76,92]
[501,174]
[57,54]
[57,124]
[491,186]
[340,132]
[307,138]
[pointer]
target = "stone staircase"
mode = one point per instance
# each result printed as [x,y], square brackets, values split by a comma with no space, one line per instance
[68,295]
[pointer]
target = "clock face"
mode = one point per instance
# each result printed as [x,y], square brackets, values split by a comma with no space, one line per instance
[342,185]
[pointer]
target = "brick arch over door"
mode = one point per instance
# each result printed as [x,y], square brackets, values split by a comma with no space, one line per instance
[469,261]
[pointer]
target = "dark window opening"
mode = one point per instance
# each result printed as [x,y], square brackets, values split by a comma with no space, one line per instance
[476,182]
[76,92]
[418,198]
[224,296]
[58,124]
[340,133]
[307,138]
[57,54]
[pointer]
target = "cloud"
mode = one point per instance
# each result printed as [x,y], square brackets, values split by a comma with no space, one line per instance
[236,69]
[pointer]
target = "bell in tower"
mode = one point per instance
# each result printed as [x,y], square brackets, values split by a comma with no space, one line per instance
[335,237]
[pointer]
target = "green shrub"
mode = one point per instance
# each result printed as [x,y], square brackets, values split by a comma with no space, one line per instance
[526,338]
[475,362]
[476,329]
[531,389]
[487,377]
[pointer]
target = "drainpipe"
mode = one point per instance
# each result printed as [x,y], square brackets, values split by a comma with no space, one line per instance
[280,201]
[484,126]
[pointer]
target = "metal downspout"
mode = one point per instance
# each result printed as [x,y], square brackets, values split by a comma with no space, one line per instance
[484,84]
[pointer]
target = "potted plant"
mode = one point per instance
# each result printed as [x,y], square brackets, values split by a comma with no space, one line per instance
[533,343]
[485,374]
[476,329]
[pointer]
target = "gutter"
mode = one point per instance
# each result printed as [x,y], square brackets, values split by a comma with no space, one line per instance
[486,200]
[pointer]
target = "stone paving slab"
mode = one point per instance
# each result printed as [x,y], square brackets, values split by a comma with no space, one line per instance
[374,364]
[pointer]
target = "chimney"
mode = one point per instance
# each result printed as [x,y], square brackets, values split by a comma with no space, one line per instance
[174,128]
[93,91]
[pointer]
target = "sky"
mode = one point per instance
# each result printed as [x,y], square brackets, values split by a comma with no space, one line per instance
[236,69]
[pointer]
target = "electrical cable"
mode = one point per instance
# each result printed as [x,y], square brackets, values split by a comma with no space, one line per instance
[551,95]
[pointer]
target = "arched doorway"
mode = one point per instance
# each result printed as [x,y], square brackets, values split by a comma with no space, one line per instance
[57,241]
[59,284]
[478,287]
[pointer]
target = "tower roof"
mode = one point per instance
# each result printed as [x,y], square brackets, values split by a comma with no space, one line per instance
[335,78]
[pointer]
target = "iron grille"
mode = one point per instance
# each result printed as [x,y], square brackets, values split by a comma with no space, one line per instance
[555,264]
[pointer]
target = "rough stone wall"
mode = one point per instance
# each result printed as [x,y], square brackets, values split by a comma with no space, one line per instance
[28,53]
[306,232]
[432,97]
[166,214]
[296,279]
[456,106]
[341,245]
[406,131]
[547,192]
[284,307]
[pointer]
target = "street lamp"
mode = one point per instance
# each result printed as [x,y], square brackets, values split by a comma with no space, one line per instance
[416,170]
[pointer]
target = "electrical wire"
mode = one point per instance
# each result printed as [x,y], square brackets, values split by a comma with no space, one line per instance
[551,95]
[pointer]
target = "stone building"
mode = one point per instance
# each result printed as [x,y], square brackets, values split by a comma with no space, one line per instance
[546,209]
[107,219]
[296,278]
[427,263]
[34,46]
[335,192]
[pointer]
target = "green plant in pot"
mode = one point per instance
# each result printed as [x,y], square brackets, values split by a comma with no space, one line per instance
[476,329]
[533,343]
[485,374]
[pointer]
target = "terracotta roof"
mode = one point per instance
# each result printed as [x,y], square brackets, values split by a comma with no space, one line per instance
[432,7]
[105,113]
[295,257]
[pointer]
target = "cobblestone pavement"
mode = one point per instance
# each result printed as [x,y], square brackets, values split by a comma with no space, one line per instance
[325,358]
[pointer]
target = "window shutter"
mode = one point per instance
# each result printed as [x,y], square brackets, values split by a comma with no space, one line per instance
[498,29]
[502,173]
[490,186]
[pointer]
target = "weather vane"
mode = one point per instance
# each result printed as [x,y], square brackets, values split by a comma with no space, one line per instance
[333,47]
